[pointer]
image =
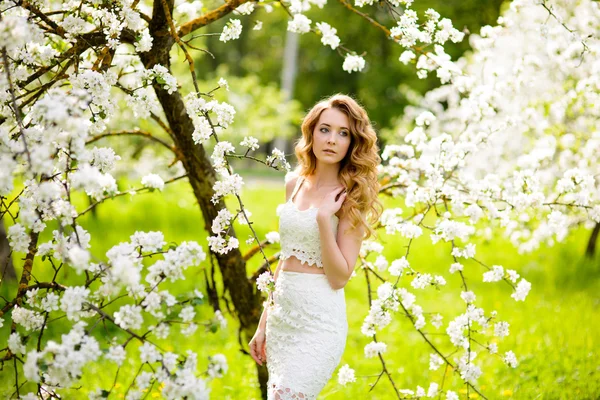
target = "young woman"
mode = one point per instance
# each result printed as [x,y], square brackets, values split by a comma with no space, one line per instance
[321,226]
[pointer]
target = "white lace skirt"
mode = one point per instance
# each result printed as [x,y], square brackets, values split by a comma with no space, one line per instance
[306,335]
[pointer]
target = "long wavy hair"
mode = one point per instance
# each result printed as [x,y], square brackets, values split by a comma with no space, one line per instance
[358,169]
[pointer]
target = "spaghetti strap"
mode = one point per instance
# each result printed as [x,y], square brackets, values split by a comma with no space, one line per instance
[298,184]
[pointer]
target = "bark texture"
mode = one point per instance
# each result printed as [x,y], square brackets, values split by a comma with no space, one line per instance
[245,296]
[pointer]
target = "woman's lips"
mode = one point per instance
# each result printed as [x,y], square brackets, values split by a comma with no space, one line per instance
[329,151]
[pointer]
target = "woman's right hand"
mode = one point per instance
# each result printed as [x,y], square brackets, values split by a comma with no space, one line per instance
[258,349]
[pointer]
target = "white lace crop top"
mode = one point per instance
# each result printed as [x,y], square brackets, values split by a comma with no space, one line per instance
[299,231]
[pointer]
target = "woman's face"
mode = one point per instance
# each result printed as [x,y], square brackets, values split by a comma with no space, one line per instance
[332,132]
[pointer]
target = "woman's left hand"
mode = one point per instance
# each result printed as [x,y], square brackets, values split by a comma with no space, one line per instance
[330,205]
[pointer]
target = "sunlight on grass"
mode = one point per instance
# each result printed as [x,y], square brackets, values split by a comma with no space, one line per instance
[552,333]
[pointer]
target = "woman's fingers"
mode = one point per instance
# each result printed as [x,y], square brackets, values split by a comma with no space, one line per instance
[338,193]
[253,352]
[256,351]
[260,350]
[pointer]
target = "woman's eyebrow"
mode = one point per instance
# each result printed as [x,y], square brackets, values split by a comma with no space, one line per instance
[324,123]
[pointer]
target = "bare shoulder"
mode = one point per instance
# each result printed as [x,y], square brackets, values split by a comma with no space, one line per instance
[290,183]
[345,228]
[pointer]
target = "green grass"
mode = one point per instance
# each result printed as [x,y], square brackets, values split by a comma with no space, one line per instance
[554,333]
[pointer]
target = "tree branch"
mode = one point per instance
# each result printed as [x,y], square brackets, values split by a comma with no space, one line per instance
[209,17]
[135,132]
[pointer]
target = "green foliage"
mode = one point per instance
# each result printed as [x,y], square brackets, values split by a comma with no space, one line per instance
[319,68]
[552,333]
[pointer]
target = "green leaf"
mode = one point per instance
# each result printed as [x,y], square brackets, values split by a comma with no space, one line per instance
[196,301]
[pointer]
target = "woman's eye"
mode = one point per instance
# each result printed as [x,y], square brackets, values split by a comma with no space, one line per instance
[343,133]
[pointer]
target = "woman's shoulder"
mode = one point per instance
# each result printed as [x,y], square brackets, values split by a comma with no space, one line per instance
[291,178]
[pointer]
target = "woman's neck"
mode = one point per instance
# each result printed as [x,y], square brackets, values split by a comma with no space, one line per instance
[325,177]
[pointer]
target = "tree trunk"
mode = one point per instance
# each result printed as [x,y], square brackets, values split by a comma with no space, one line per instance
[591,246]
[6,263]
[245,297]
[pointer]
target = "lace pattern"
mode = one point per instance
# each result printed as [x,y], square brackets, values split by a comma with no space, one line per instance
[283,393]
[299,232]
[305,335]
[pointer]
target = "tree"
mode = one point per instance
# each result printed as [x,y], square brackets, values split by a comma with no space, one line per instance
[62,73]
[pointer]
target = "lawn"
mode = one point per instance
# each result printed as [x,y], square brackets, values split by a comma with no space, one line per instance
[554,333]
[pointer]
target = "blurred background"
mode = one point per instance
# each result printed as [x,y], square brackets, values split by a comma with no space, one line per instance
[275,76]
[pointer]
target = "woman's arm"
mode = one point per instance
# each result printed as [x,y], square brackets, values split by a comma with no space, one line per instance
[258,345]
[289,188]
[263,317]
[339,254]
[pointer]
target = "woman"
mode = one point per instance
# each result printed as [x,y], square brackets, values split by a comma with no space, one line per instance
[321,226]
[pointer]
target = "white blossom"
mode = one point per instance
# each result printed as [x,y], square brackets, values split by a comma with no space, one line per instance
[374,348]
[501,329]
[510,359]
[116,354]
[143,380]
[129,317]
[277,159]
[353,63]
[522,290]
[406,57]
[231,31]
[187,314]
[245,9]
[265,281]
[15,344]
[149,241]
[456,267]
[451,395]
[299,24]
[435,361]
[72,301]
[18,238]
[328,35]
[346,375]
[432,390]
[49,302]
[217,365]
[272,237]
[495,275]
[425,118]
[220,319]
[189,329]
[468,297]
[149,353]
[250,142]
[398,266]
[144,44]
[79,258]
[153,181]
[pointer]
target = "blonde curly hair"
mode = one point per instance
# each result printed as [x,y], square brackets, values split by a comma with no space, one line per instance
[358,169]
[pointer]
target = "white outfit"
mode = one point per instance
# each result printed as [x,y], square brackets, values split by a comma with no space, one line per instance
[299,231]
[307,327]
